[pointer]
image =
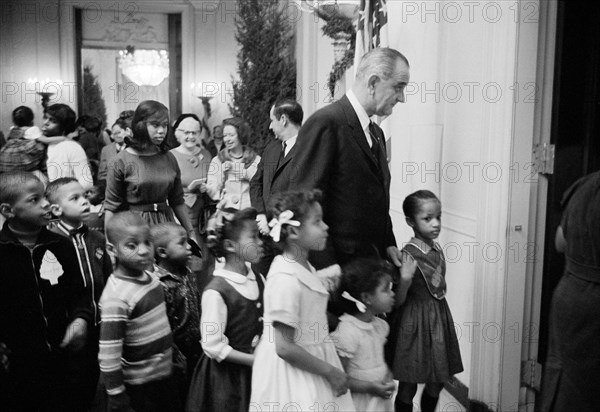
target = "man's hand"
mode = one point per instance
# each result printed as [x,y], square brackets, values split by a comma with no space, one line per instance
[76,335]
[263,225]
[395,255]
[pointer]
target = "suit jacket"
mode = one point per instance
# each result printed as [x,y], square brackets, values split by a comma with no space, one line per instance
[270,179]
[333,155]
[108,154]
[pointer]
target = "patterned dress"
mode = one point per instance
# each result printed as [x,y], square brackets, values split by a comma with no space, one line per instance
[423,346]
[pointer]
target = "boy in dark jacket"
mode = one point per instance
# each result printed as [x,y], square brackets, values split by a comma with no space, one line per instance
[44,311]
[70,205]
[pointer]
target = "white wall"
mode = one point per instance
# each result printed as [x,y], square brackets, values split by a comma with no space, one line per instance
[454,136]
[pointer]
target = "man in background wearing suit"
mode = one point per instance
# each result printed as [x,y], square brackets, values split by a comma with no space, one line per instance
[275,172]
[342,152]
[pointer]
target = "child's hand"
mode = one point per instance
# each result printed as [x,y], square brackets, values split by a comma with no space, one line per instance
[119,403]
[263,226]
[383,389]
[76,335]
[395,255]
[227,166]
[338,381]
[409,267]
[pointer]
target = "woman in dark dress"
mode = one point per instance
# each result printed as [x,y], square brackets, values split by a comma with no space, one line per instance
[572,371]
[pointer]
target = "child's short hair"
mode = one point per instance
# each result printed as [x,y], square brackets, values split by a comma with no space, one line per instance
[22,116]
[232,223]
[64,115]
[141,138]
[362,275]
[52,188]
[92,125]
[242,128]
[12,183]
[120,221]
[411,203]
[298,202]
[162,234]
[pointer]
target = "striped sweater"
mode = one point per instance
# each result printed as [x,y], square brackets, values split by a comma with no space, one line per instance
[135,336]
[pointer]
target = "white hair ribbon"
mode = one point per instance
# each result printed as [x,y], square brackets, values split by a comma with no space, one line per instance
[359,305]
[285,218]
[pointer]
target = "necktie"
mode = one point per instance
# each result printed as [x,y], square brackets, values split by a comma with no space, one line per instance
[281,154]
[375,145]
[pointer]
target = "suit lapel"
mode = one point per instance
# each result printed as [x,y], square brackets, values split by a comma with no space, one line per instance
[285,161]
[358,133]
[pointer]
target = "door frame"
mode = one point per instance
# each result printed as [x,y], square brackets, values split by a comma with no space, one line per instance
[542,124]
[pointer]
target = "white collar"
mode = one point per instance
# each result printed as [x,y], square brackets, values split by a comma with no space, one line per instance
[288,266]
[236,277]
[422,246]
[289,143]
[363,117]
[359,323]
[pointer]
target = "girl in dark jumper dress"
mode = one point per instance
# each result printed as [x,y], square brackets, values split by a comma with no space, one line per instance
[231,320]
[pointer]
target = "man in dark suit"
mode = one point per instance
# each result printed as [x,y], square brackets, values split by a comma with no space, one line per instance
[275,173]
[343,153]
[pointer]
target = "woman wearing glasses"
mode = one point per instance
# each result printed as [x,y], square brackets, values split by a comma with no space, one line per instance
[193,161]
[233,167]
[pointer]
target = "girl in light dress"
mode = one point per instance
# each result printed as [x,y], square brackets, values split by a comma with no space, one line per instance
[231,320]
[296,364]
[366,291]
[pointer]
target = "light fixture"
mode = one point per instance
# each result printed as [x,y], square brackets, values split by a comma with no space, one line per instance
[144,67]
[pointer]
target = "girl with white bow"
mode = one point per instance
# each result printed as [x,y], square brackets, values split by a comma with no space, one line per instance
[366,291]
[299,367]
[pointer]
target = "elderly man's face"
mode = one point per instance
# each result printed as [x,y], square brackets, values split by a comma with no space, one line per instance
[391,91]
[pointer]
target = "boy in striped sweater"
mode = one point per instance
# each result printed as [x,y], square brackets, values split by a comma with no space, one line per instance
[135,337]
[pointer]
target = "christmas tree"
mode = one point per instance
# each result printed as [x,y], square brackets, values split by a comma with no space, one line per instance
[266,65]
[93,102]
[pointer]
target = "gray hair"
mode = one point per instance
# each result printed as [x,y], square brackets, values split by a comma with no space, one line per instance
[380,62]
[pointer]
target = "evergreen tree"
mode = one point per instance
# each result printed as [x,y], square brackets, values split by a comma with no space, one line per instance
[93,102]
[266,65]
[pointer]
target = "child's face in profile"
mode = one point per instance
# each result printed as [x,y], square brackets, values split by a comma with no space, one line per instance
[249,245]
[178,250]
[381,300]
[134,250]
[158,125]
[51,127]
[312,233]
[31,210]
[427,222]
[118,134]
[95,195]
[72,206]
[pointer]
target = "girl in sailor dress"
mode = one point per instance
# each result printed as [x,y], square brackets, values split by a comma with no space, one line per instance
[297,367]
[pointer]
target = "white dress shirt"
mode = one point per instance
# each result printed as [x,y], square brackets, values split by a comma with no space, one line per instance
[363,117]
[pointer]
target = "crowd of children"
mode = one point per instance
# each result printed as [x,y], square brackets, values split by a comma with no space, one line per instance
[79,310]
